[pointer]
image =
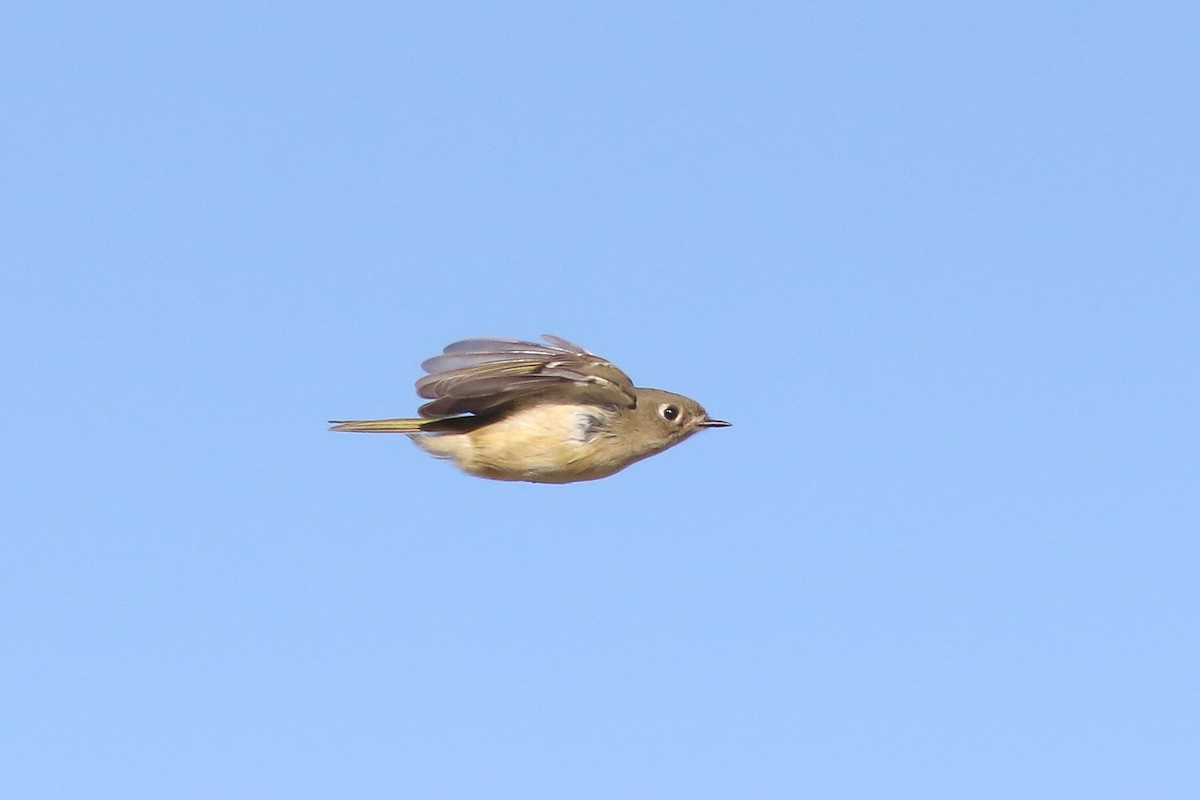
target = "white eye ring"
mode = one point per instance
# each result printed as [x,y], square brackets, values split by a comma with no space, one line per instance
[669,412]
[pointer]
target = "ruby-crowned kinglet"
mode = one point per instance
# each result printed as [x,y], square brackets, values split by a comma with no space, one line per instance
[547,413]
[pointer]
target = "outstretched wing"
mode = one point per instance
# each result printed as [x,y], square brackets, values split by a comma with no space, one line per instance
[475,376]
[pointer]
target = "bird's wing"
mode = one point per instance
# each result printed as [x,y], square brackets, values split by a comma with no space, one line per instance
[475,376]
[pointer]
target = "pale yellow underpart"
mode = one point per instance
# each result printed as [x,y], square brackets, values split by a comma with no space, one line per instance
[544,442]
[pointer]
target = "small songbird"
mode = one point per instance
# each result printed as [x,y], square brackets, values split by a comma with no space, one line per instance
[546,413]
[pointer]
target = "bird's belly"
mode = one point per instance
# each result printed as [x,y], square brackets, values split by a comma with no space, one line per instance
[545,443]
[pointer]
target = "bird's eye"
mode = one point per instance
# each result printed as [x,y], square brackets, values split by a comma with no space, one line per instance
[669,412]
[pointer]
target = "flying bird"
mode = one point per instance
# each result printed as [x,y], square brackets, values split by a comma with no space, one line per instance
[512,410]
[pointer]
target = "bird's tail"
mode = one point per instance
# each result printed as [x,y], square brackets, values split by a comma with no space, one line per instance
[378,425]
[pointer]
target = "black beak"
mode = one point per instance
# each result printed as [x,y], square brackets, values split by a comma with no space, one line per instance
[714,423]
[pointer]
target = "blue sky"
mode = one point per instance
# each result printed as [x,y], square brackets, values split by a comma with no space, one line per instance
[938,265]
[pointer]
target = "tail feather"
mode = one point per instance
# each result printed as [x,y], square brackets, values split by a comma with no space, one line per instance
[378,425]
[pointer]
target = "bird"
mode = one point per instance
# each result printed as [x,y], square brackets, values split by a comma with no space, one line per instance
[513,410]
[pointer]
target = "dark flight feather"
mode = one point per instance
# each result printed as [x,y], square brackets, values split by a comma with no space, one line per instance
[478,376]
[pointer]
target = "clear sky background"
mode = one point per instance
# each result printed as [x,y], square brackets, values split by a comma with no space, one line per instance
[937,263]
